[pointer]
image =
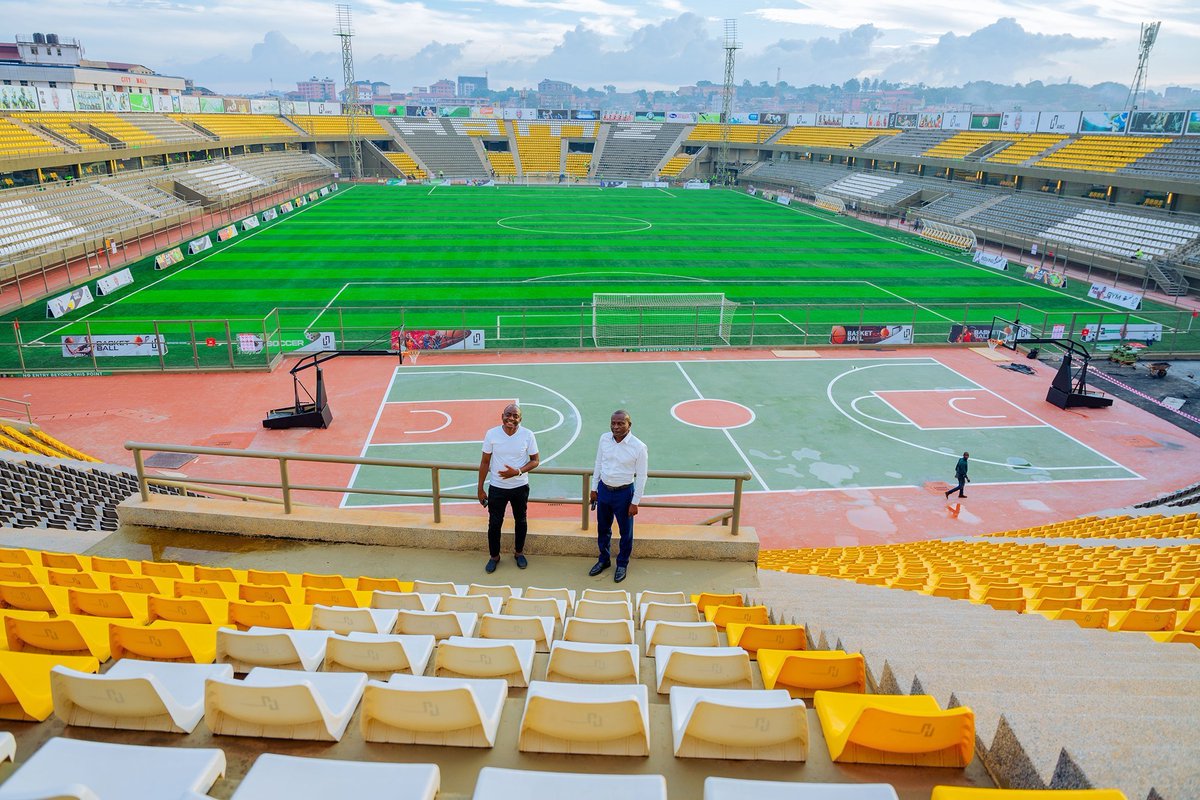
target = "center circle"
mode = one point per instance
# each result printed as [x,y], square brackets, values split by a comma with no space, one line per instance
[716,414]
[574,224]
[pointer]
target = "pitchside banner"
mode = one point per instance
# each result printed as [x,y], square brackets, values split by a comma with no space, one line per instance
[199,245]
[110,283]
[437,340]
[286,207]
[988,260]
[168,259]
[226,233]
[1046,276]
[966,334]
[1118,297]
[1142,332]
[249,222]
[64,303]
[108,346]
[270,214]
[871,334]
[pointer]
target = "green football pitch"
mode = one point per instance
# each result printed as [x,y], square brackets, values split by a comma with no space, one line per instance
[521,264]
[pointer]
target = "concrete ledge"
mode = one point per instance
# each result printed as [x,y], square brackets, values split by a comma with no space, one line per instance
[554,536]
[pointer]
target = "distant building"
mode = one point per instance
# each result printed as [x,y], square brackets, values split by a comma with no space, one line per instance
[472,86]
[381,90]
[318,89]
[53,66]
[443,88]
[554,94]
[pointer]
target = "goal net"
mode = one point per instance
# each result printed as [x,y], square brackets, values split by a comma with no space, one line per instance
[661,320]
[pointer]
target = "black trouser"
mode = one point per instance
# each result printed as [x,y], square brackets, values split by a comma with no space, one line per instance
[497,499]
[962,484]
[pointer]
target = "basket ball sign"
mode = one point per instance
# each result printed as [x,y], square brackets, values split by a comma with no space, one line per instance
[871,334]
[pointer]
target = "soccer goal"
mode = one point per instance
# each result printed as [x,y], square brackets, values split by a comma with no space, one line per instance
[661,320]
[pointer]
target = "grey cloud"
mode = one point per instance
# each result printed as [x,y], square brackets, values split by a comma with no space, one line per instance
[820,60]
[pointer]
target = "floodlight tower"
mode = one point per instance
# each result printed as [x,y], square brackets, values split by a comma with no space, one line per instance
[1137,88]
[731,47]
[345,32]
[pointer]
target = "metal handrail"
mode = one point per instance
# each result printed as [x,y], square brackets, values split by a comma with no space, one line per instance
[730,512]
[6,411]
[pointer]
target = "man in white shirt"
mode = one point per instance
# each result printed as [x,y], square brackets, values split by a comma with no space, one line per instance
[509,452]
[619,481]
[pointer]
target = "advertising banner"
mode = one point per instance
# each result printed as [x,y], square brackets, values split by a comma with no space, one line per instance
[437,340]
[314,342]
[803,120]
[553,113]
[828,120]
[708,116]
[485,112]
[1193,124]
[609,116]
[66,303]
[655,184]
[313,195]
[520,113]
[879,120]
[929,121]
[1019,121]
[1118,297]
[286,208]
[956,121]
[986,122]
[289,107]
[300,201]
[110,346]
[772,118]
[744,119]
[212,105]
[649,116]
[249,223]
[269,215]
[227,233]
[906,121]
[110,283]
[1162,123]
[141,102]
[871,334]
[783,199]
[1045,276]
[1059,122]
[88,100]
[327,109]
[115,101]
[324,191]
[190,105]
[454,111]
[249,343]
[967,334]
[163,104]
[199,245]
[387,110]
[264,106]
[55,99]
[237,105]
[1112,332]
[168,259]
[18,98]
[695,184]
[614,184]
[1103,122]
[686,117]
[854,120]
[989,260]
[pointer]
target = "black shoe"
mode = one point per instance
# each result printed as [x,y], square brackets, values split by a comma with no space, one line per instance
[619,575]
[491,565]
[599,567]
[962,497]
[522,561]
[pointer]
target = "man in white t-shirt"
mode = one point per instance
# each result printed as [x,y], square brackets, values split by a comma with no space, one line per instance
[509,452]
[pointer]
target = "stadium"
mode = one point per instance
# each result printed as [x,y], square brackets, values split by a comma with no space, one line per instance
[250,348]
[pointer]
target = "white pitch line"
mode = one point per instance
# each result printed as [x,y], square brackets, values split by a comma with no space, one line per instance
[370,435]
[906,300]
[321,313]
[728,435]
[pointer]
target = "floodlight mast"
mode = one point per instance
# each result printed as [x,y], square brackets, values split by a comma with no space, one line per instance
[1137,87]
[345,32]
[731,48]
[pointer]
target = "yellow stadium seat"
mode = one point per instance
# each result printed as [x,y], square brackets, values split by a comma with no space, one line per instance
[113,605]
[19,556]
[738,724]
[383,585]
[706,599]
[260,577]
[22,573]
[661,597]
[74,579]
[25,682]
[802,673]
[270,615]
[1138,620]
[114,566]
[378,656]
[196,610]
[213,590]
[723,615]
[165,641]
[168,569]
[586,662]
[508,660]
[68,635]
[65,561]
[578,719]
[411,709]
[973,793]
[1097,618]
[708,667]
[310,580]
[895,729]
[283,704]
[140,584]
[270,593]
[343,598]
[1176,637]
[219,574]
[753,637]
[34,597]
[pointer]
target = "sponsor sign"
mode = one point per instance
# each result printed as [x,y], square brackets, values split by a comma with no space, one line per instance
[828,120]
[967,334]
[649,116]
[300,201]
[226,233]
[290,107]
[249,343]
[115,101]
[111,283]
[854,120]
[931,121]
[956,120]
[802,119]
[989,260]
[190,105]
[614,185]
[111,346]
[1058,331]
[237,105]
[78,297]
[772,118]
[323,342]
[695,184]
[1041,275]
[708,116]
[141,102]
[879,120]
[326,109]
[1103,122]
[1011,335]
[986,122]
[1113,332]
[1058,122]
[333,187]
[1118,297]
[906,121]
[88,100]
[1193,123]
[163,103]
[1019,121]
[286,208]
[586,114]
[313,195]
[199,245]
[783,199]
[212,105]
[655,184]
[396,182]
[871,334]
[437,340]
[270,214]
[249,222]
[553,113]
[168,258]
[55,99]
[687,117]
[18,98]
[324,191]
[1158,122]
[264,106]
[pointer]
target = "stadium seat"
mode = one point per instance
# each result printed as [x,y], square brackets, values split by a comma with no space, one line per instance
[108,604]
[271,647]
[8,747]
[213,590]
[342,598]
[76,579]
[270,615]
[667,612]
[219,574]
[310,580]
[739,789]
[25,682]
[539,630]
[270,593]
[115,566]
[468,603]
[260,577]
[536,607]
[502,592]
[750,615]
[34,597]
[895,729]
[585,719]
[976,793]
[283,704]
[737,724]
[802,673]
[606,595]
[680,634]
[438,624]
[165,641]
[1084,619]
[67,767]
[135,695]
[22,573]
[600,631]
[73,561]
[196,610]
[168,569]
[707,667]
[538,592]
[706,599]
[585,662]
[411,709]
[505,784]
[378,656]
[401,601]
[437,587]
[140,584]
[588,608]
[752,638]
[68,635]
[347,620]
[275,776]
[383,585]
[1137,620]
[673,598]
[510,660]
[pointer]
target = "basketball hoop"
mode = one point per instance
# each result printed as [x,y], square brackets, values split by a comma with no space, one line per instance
[994,343]
[411,355]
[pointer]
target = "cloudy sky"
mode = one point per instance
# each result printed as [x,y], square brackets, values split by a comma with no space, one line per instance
[254,45]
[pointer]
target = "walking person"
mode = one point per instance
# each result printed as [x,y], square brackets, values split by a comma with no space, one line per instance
[510,452]
[619,481]
[960,473]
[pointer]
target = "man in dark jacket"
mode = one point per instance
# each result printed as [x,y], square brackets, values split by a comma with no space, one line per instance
[960,472]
